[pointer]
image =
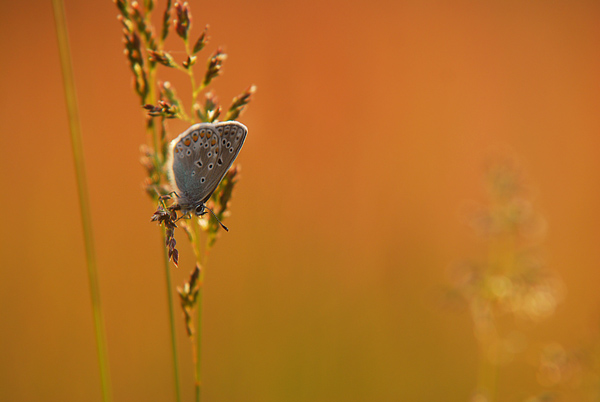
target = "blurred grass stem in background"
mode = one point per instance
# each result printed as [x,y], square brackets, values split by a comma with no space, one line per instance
[510,284]
[82,189]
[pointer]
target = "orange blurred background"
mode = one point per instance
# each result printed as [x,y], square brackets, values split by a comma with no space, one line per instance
[369,132]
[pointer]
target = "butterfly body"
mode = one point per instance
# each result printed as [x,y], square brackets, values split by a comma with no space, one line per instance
[198,160]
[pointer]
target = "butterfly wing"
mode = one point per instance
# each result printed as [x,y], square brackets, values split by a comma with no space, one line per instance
[199,159]
[231,136]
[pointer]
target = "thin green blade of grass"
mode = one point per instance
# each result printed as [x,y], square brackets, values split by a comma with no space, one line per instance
[82,189]
[171,322]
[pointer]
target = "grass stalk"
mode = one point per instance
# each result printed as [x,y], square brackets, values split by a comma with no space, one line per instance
[171,320]
[82,189]
[199,339]
[196,230]
[199,319]
[152,130]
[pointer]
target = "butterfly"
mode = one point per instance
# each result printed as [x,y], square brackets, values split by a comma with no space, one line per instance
[198,160]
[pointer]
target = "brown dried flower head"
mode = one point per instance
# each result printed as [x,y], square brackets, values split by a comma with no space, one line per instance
[168,217]
[215,63]
[183,19]
[187,298]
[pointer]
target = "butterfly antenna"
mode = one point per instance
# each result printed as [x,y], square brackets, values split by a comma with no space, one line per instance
[220,223]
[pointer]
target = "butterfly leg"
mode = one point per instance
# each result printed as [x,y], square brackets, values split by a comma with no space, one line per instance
[187,215]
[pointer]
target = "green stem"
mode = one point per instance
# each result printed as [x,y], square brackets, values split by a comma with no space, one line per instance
[190,72]
[199,322]
[150,125]
[197,91]
[152,130]
[171,320]
[84,204]
[196,234]
[199,337]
